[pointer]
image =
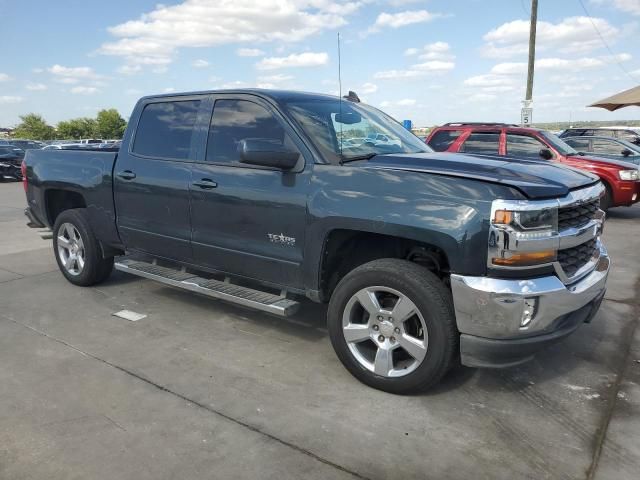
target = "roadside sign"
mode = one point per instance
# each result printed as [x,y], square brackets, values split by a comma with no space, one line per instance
[525,116]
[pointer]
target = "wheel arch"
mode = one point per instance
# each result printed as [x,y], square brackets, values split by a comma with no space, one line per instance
[345,249]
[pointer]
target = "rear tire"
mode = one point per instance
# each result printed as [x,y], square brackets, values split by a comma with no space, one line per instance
[78,251]
[392,325]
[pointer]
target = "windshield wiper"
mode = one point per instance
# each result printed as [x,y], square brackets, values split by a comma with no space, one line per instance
[367,156]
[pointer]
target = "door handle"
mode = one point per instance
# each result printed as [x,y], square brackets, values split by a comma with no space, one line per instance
[126,175]
[205,184]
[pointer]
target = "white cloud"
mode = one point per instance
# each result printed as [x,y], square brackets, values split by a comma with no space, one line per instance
[411,51]
[368,88]
[488,80]
[157,35]
[200,63]
[436,51]
[129,69]
[36,87]
[168,90]
[72,72]
[482,97]
[4,77]
[405,102]
[37,70]
[10,99]
[571,35]
[249,52]
[82,90]
[273,79]
[235,84]
[432,67]
[306,59]
[628,6]
[401,19]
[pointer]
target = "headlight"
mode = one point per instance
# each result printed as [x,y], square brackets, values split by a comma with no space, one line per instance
[528,221]
[523,238]
[629,175]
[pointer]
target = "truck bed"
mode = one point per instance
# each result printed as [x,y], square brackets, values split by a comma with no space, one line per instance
[87,172]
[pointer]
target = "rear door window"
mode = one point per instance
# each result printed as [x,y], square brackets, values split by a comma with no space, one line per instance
[166,129]
[524,146]
[443,139]
[482,142]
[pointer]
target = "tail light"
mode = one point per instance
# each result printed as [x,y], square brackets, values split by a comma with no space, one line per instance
[23,170]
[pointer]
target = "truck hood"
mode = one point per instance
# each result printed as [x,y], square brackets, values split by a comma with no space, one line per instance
[535,179]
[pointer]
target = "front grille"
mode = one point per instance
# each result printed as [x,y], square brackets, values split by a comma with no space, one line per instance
[573,259]
[577,215]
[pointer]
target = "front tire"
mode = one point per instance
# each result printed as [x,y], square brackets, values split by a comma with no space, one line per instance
[607,199]
[392,325]
[78,251]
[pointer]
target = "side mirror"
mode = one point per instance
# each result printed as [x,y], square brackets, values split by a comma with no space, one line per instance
[626,152]
[546,154]
[267,153]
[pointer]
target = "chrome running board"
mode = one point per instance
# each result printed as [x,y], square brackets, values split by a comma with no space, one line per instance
[247,297]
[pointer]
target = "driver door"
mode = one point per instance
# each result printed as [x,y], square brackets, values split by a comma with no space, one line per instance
[249,220]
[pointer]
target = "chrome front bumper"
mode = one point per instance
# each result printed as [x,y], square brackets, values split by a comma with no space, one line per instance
[493,308]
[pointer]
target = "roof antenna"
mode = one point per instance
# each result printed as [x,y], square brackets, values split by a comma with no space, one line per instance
[340,93]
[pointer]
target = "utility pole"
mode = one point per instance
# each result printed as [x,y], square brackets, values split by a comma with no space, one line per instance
[527,109]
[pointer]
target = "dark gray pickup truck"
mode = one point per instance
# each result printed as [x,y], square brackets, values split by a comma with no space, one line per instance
[262,197]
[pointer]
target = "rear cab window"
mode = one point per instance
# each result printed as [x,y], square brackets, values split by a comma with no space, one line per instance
[166,129]
[487,143]
[443,139]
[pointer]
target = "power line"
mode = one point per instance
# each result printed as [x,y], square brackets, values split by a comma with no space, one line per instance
[604,42]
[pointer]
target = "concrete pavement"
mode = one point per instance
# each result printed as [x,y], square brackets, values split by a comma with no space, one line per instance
[203,389]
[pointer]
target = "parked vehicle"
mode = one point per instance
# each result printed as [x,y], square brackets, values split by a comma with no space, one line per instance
[630,134]
[621,179]
[26,144]
[10,160]
[64,146]
[247,196]
[86,141]
[606,147]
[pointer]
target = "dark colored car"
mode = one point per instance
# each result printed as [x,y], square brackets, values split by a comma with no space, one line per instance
[249,196]
[10,160]
[630,134]
[621,179]
[27,144]
[606,147]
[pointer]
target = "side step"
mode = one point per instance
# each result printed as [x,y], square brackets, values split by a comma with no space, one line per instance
[266,302]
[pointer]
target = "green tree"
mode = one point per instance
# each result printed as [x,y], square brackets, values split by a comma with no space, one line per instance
[77,128]
[110,124]
[34,127]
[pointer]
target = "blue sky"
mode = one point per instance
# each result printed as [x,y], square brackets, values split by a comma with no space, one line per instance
[430,61]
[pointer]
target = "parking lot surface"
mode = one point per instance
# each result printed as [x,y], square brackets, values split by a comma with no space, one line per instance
[202,389]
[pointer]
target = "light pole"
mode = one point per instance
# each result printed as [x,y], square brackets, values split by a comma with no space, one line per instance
[527,109]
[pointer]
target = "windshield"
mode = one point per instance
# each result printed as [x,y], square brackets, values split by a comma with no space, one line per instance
[560,145]
[347,130]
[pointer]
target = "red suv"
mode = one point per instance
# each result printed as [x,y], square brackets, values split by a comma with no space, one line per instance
[622,179]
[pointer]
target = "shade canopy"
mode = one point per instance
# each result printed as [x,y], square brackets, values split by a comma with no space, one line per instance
[620,100]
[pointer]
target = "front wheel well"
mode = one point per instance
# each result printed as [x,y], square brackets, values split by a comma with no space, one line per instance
[345,250]
[57,201]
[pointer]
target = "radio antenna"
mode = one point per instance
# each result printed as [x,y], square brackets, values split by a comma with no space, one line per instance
[340,93]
